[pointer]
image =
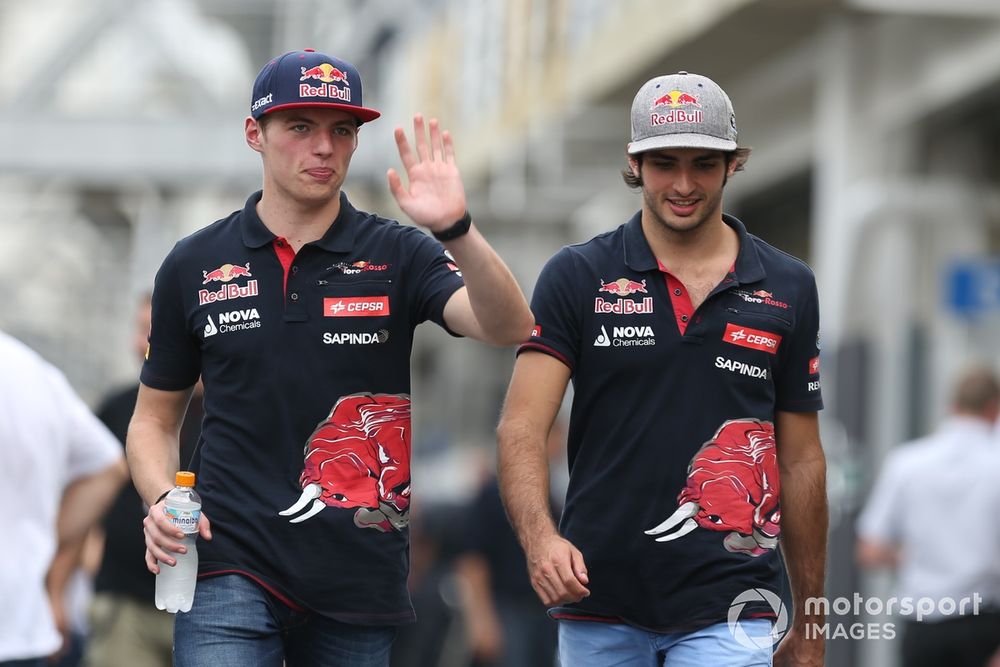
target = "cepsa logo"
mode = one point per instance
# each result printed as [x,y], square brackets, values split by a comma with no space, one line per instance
[755,339]
[356,306]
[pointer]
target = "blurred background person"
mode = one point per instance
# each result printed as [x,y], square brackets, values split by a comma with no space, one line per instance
[126,628]
[506,625]
[932,516]
[62,469]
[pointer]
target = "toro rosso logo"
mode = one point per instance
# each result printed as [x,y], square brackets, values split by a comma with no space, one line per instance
[359,456]
[732,485]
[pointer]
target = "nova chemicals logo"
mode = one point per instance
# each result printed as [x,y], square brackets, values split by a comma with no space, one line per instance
[778,629]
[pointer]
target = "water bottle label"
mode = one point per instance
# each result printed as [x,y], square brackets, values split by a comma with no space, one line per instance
[186,520]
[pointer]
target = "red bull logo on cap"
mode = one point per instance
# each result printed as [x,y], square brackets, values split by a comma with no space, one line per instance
[325,72]
[327,75]
[674,100]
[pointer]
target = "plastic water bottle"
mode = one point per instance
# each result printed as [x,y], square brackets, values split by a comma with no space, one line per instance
[175,584]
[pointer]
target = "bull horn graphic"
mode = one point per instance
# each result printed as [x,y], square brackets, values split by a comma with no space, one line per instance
[310,492]
[682,515]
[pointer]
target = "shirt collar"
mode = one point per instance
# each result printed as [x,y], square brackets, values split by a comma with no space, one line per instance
[639,256]
[339,237]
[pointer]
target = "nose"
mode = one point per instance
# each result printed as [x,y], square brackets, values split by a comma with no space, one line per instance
[322,143]
[684,184]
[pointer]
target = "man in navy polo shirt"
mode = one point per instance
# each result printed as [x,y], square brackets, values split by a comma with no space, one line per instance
[693,442]
[298,311]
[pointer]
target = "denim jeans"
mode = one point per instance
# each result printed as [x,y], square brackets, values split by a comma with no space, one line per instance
[590,644]
[236,623]
[30,662]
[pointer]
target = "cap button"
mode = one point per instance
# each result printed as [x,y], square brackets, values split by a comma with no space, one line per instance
[309,50]
[682,72]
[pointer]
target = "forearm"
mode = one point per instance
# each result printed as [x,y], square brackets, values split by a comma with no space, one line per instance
[85,500]
[496,299]
[523,473]
[153,457]
[804,519]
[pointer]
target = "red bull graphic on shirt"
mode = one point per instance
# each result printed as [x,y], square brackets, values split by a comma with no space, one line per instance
[733,486]
[359,456]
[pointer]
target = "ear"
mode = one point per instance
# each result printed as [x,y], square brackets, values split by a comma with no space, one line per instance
[253,133]
[633,164]
[732,167]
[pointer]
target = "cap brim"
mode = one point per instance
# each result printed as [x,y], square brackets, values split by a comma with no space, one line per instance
[364,114]
[681,141]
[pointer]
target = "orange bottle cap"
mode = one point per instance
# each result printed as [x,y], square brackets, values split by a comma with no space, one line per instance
[184,478]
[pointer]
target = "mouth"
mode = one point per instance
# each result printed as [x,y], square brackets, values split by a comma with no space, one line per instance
[683,206]
[320,173]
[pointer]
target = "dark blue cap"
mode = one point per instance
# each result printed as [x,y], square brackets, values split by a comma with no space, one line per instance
[307,78]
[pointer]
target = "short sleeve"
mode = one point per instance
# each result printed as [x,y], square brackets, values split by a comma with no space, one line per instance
[173,359]
[91,446]
[557,310]
[880,518]
[798,386]
[432,277]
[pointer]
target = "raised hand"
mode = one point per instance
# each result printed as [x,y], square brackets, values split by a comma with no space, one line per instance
[434,197]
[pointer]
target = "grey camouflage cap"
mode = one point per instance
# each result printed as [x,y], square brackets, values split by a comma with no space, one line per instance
[682,111]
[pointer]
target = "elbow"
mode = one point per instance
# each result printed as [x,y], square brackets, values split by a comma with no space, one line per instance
[518,331]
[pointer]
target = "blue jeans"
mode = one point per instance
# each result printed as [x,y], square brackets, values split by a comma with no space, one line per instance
[30,662]
[236,623]
[590,644]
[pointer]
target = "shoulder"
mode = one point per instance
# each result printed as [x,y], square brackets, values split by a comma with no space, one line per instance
[223,230]
[781,263]
[593,251]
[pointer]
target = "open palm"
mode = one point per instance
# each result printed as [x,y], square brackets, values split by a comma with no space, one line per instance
[434,197]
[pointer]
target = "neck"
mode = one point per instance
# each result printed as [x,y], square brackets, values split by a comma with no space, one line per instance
[298,222]
[712,240]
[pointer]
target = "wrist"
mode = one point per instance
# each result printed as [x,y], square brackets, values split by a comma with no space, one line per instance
[162,496]
[459,228]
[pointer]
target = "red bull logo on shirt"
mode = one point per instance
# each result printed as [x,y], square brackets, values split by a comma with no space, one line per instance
[623,287]
[732,485]
[359,456]
[225,273]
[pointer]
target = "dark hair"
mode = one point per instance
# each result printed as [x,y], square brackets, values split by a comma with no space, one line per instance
[634,181]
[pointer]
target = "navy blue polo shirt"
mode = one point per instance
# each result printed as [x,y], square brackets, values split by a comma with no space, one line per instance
[673,492]
[305,448]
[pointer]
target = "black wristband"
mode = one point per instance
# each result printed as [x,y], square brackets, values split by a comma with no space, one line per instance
[460,228]
[162,496]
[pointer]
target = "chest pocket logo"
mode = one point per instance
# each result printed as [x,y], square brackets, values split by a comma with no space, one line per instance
[755,339]
[356,306]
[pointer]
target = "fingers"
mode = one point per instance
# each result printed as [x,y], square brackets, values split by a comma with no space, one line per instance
[395,185]
[560,575]
[449,146]
[420,137]
[161,538]
[405,153]
[438,148]
[204,527]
